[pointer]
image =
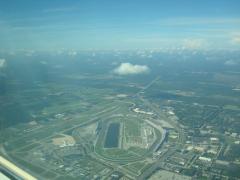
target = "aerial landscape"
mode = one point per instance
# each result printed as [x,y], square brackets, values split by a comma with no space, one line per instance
[90,118]
[100,92]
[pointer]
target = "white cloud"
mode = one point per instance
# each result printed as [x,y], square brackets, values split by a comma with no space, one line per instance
[2,63]
[29,53]
[128,68]
[43,62]
[236,39]
[72,53]
[193,43]
[230,63]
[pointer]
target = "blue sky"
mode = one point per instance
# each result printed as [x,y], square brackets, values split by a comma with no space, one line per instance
[115,24]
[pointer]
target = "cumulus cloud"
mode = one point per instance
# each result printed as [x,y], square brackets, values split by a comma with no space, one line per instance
[2,63]
[128,68]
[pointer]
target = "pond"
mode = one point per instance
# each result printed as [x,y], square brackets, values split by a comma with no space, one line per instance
[112,136]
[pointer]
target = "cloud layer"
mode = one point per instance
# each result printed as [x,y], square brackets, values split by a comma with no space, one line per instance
[128,68]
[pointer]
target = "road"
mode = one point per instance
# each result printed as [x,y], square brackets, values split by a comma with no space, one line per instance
[158,164]
[161,115]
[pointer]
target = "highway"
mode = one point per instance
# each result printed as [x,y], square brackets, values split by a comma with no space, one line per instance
[159,164]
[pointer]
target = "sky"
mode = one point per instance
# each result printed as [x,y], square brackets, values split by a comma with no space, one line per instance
[119,24]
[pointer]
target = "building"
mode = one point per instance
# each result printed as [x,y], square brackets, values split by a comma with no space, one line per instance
[205,159]
[214,140]
[66,140]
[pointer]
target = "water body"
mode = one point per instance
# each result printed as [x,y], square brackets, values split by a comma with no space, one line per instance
[112,137]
